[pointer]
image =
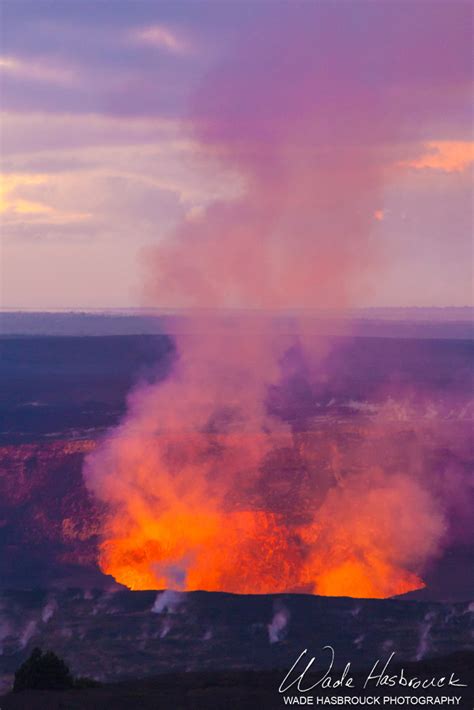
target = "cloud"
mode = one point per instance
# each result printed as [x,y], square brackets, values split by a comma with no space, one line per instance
[130,178]
[48,72]
[24,133]
[131,64]
[162,37]
[86,193]
[448,156]
[16,209]
[10,203]
[102,119]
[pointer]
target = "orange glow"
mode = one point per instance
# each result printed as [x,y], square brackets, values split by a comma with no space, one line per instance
[449,156]
[186,526]
[246,552]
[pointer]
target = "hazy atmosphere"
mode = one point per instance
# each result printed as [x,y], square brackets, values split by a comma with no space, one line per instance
[104,150]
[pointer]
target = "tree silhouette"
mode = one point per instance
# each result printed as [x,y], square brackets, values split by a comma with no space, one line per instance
[43,671]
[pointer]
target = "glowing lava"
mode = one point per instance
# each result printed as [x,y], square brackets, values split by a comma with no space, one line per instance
[178,521]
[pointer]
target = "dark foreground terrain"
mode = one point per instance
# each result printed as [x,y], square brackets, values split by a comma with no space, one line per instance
[250,690]
[123,635]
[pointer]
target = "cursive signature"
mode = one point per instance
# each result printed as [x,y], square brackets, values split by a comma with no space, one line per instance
[378,676]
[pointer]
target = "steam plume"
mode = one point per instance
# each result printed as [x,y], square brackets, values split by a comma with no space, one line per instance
[277,628]
[197,493]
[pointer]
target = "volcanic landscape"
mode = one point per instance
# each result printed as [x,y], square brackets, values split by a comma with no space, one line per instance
[403,405]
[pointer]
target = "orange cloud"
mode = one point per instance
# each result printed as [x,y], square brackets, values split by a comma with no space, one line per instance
[448,156]
[8,202]
[15,208]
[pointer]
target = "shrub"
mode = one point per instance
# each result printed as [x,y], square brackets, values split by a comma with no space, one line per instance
[43,671]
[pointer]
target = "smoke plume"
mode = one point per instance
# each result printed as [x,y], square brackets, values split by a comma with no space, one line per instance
[205,486]
[277,628]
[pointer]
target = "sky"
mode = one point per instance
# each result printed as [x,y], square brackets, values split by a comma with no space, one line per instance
[109,143]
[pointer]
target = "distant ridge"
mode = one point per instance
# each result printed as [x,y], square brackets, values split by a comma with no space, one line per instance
[449,322]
